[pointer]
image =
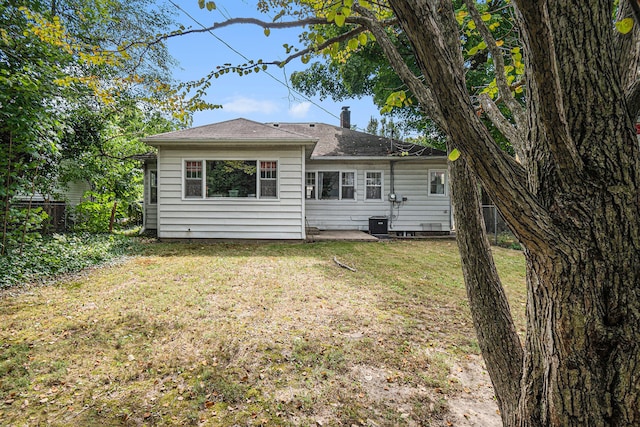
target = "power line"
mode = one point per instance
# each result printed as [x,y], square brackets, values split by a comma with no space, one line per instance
[289,88]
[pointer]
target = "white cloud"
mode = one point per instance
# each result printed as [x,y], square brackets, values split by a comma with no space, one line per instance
[299,111]
[244,105]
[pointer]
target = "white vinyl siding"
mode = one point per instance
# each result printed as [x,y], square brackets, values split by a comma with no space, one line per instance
[420,212]
[232,217]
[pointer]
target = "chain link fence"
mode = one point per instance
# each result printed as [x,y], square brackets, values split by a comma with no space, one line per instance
[496,227]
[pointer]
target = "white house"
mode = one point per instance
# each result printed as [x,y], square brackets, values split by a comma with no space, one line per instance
[241,179]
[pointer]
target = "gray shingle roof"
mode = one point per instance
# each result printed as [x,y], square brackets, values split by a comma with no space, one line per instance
[231,130]
[330,141]
[335,141]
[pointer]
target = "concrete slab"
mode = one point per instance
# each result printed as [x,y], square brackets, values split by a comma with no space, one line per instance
[346,235]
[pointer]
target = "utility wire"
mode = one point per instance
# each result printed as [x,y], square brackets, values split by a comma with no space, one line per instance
[289,88]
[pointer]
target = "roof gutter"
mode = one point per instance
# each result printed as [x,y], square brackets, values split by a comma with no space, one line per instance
[392,158]
[235,142]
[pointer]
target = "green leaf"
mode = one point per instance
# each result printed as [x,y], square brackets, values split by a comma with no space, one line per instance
[486,17]
[267,31]
[201,4]
[625,25]
[362,39]
[460,15]
[211,6]
[353,44]
[454,155]
[340,19]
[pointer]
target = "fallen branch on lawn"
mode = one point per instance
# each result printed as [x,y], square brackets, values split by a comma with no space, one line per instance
[343,265]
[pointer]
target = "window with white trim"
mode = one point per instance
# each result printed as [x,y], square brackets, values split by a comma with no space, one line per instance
[310,185]
[253,179]
[437,182]
[373,185]
[193,179]
[153,187]
[336,185]
[268,180]
[348,185]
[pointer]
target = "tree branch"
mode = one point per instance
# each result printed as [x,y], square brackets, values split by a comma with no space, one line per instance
[635,8]
[440,58]
[628,48]
[346,36]
[264,24]
[516,108]
[502,124]
[545,88]
[497,336]
[632,96]
[415,85]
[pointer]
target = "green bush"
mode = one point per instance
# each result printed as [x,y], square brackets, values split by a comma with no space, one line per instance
[95,216]
[50,256]
[23,226]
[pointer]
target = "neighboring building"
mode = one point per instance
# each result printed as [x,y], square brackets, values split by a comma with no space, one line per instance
[57,205]
[246,180]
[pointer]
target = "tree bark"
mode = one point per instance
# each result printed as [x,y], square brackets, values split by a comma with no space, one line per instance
[575,207]
[497,336]
[112,218]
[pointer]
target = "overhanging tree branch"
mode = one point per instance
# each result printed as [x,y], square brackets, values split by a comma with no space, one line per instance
[415,85]
[440,59]
[504,89]
[500,121]
[263,24]
[346,36]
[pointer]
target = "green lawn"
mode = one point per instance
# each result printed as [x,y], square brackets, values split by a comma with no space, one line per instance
[246,334]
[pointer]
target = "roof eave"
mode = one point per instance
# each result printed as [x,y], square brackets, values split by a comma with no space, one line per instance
[185,142]
[402,158]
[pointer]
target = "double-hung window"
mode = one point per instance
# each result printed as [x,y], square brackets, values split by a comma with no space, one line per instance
[268,180]
[335,185]
[437,182]
[348,185]
[213,179]
[373,184]
[193,179]
[310,186]
[153,186]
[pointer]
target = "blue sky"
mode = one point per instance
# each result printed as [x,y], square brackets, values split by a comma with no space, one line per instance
[257,96]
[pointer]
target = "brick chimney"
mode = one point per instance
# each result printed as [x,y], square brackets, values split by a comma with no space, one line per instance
[345,118]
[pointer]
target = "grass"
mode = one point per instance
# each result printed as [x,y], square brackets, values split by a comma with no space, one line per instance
[240,334]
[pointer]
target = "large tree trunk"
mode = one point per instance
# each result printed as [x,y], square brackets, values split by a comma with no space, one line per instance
[575,207]
[583,359]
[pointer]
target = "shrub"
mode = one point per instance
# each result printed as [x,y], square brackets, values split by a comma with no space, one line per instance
[22,226]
